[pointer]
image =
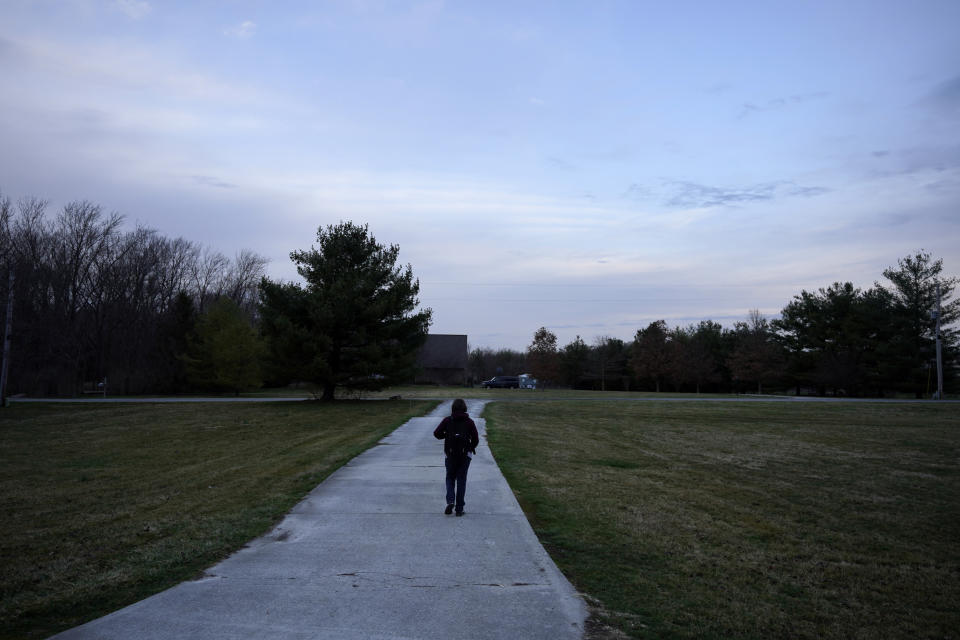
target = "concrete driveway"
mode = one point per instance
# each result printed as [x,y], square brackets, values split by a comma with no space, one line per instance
[369,554]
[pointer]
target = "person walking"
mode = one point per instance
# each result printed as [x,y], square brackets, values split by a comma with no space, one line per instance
[460,440]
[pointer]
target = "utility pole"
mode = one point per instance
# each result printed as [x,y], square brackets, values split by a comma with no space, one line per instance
[8,328]
[939,358]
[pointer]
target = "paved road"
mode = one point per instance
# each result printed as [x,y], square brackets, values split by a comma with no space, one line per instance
[369,554]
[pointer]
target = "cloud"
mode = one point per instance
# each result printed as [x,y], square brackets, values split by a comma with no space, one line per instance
[693,195]
[916,160]
[9,50]
[111,65]
[946,97]
[806,192]
[949,91]
[559,163]
[685,194]
[719,88]
[210,181]
[245,29]
[134,9]
[777,104]
[637,191]
[946,186]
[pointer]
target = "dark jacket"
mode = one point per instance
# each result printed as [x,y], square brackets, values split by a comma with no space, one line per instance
[441,431]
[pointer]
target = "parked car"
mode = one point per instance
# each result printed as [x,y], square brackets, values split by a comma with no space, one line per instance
[502,382]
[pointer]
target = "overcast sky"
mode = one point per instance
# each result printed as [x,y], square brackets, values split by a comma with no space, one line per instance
[586,166]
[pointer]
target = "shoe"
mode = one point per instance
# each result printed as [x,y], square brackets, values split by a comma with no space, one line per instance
[449,509]
[459,513]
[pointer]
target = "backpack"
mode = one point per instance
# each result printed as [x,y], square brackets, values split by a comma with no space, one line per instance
[457,442]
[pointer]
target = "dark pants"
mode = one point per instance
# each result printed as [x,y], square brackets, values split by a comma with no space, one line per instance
[457,476]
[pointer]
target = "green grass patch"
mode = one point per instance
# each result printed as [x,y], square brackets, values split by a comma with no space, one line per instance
[103,505]
[745,520]
[433,391]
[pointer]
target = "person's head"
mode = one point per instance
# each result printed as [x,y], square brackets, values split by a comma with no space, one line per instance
[459,406]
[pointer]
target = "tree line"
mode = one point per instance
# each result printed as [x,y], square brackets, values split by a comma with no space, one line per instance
[99,309]
[838,340]
[95,304]
[138,312]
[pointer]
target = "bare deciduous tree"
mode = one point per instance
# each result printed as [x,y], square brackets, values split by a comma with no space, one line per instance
[101,301]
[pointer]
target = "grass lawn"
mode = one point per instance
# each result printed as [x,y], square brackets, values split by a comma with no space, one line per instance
[430,391]
[103,505]
[745,520]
